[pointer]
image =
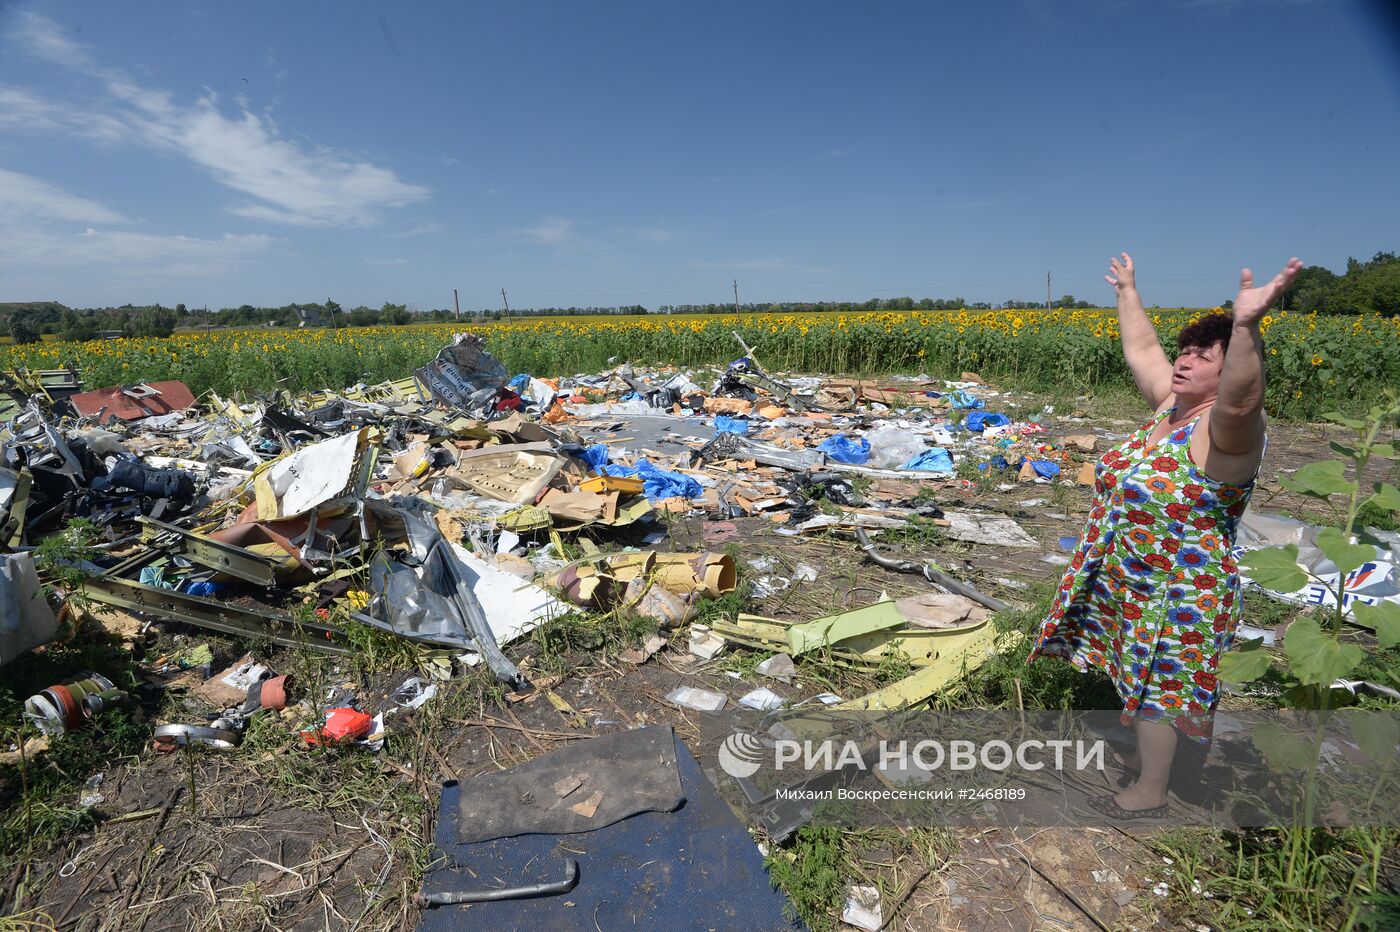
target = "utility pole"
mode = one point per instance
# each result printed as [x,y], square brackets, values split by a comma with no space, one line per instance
[456,306]
[1047,291]
[206,320]
[736,295]
[505,302]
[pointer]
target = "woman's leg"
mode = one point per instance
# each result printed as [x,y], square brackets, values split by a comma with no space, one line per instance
[1157,747]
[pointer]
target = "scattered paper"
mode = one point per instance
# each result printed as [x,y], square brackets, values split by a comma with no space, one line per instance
[763,699]
[863,909]
[692,697]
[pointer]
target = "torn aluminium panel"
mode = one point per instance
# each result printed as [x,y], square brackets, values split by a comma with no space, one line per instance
[1375,581]
[463,375]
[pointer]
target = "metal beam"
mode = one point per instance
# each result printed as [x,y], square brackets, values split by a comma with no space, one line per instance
[238,620]
[217,555]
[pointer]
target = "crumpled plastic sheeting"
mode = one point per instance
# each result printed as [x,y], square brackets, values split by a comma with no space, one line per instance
[435,604]
[932,460]
[728,425]
[596,457]
[965,400]
[844,450]
[980,420]
[658,483]
[26,621]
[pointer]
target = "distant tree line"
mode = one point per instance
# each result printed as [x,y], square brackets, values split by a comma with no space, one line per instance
[1365,287]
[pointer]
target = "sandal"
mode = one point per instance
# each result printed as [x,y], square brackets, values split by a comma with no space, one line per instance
[1108,806]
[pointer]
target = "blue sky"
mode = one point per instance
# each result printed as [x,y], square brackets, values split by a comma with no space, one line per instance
[591,153]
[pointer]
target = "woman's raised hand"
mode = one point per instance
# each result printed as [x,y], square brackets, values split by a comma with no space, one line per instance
[1251,302]
[1120,274]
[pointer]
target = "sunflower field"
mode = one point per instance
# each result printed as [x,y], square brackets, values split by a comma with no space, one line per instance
[1315,363]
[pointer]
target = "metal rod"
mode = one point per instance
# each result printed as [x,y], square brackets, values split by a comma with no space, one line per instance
[929,573]
[452,898]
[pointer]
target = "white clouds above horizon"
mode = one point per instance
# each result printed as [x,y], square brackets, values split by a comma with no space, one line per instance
[150,254]
[289,183]
[35,198]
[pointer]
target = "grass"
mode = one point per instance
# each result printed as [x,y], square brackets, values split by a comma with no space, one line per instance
[38,797]
[1250,889]
[819,866]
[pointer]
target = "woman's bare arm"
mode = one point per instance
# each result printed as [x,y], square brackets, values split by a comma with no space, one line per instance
[1151,369]
[1237,417]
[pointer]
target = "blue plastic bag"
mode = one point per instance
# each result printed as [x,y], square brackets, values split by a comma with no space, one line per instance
[596,457]
[519,383]
[996,462]
[1044,468]
[961,399]
[843,450]
[728,425]
[936,459]
[658,483]
[980,420]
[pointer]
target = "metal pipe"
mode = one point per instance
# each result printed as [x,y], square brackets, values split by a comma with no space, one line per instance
[929,573]
[452,898]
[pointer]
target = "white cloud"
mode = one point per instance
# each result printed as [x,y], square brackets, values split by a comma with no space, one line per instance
[289,183]
[33,197]
[550,231]
[165,255]
[24,112]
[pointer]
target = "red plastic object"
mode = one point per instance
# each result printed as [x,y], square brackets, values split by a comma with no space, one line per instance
[341,725]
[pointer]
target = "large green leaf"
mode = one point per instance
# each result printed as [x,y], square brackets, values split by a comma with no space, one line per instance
[1336,547]
[1320,479]
[1376,733]
[1383,618]
[1248,662]
[1315,657]
[1386,450]
[1345,421]
[1276,568]
[1283,749]
[1387,496]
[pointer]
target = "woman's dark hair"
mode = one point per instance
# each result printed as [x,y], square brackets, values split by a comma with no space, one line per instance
[1206,332]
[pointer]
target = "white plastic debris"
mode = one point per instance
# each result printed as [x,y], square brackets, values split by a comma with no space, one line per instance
[780,667]
[763,699]
[1160,888]
[90,794]
[704,643]
[863,909]
[692,697]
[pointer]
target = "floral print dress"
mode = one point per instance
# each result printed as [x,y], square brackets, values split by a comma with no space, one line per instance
[1152,594]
